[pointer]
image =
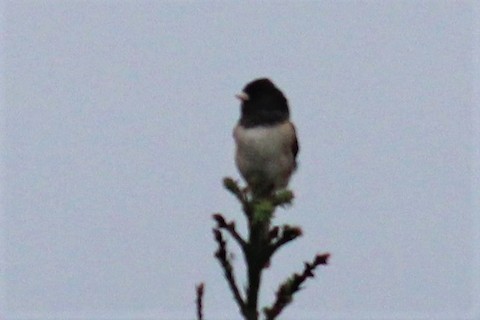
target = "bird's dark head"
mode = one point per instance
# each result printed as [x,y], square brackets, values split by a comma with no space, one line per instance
[262,104]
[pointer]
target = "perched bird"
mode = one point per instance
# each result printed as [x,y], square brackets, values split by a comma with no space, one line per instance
[266,142]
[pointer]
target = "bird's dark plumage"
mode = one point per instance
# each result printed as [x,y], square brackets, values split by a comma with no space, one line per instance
[266,140]
[266,104]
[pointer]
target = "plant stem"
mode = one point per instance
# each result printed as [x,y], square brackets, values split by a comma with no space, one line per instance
[256,256]
[258,249]
[199,301]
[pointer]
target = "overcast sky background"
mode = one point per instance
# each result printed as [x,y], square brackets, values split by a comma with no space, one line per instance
[117,133]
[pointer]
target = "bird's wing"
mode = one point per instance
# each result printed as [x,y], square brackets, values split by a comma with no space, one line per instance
[295,145]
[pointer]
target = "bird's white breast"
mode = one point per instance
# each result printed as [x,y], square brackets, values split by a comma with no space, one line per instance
[267,149]
[266,141]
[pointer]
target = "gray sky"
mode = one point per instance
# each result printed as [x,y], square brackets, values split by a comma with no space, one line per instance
[117,133]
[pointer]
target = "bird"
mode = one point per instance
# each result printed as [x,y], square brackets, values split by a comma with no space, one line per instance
[265,138]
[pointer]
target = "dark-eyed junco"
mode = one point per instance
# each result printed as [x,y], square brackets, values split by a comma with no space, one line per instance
[265,138]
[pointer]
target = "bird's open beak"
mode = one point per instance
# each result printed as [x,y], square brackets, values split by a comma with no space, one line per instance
[242,96]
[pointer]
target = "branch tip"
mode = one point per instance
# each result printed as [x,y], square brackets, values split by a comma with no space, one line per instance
[292,285]
[199,301]
[321,259]
[223,257]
